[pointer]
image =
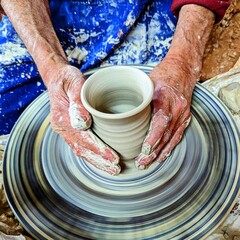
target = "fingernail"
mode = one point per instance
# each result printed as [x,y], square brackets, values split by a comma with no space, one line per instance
[139,166]
[163,157]
[116,170]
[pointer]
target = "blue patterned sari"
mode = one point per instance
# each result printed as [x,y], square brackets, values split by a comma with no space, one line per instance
[93,33]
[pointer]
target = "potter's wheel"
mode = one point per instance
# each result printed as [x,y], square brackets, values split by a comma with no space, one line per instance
[57,196]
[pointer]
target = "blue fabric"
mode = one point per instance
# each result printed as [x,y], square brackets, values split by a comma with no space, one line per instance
[93,33]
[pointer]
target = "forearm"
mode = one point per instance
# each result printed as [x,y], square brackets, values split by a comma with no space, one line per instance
[192,32]
[31,20]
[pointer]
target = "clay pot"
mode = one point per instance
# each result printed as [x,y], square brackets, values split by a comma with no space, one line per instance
[118,98]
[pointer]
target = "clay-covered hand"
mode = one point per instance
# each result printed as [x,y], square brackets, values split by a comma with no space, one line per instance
[174,79]
[63,82]
[173,87]
[70,119]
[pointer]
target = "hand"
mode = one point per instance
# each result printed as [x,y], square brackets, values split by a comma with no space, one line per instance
[174,79]
[71,120]
[173,84]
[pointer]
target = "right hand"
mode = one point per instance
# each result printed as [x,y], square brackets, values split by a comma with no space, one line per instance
[72,121]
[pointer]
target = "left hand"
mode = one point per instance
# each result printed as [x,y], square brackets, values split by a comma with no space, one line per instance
[72,121]
[173,86]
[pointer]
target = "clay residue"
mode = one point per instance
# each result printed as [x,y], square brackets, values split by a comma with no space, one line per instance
[10,228]
[8,223]
[223,48]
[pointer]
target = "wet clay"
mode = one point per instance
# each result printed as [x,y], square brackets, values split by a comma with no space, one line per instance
[223,48]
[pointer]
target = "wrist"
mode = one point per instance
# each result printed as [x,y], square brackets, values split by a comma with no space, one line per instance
[49,57]
[52,70]
[176,66]
[176,73]
[187,62]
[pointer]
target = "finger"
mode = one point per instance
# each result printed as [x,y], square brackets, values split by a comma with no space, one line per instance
[170,109]
[163,124]
[181,116]
[67,114]
[79,140]
[176,138]
[158,125]
[143,160]
[160,120]
[79,116]
[90,148]
[99,162]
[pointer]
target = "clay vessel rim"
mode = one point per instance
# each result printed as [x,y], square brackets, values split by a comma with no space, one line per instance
[130,113]
[146,101]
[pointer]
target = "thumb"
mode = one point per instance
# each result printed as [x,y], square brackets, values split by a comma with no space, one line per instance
[80,118]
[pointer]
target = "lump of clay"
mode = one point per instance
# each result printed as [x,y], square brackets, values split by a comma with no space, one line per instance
[223,48]
[230,95]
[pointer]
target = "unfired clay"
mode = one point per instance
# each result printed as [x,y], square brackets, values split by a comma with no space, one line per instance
[230,95]
[118,99]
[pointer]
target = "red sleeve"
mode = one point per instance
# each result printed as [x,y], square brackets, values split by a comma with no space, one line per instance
[218,7]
